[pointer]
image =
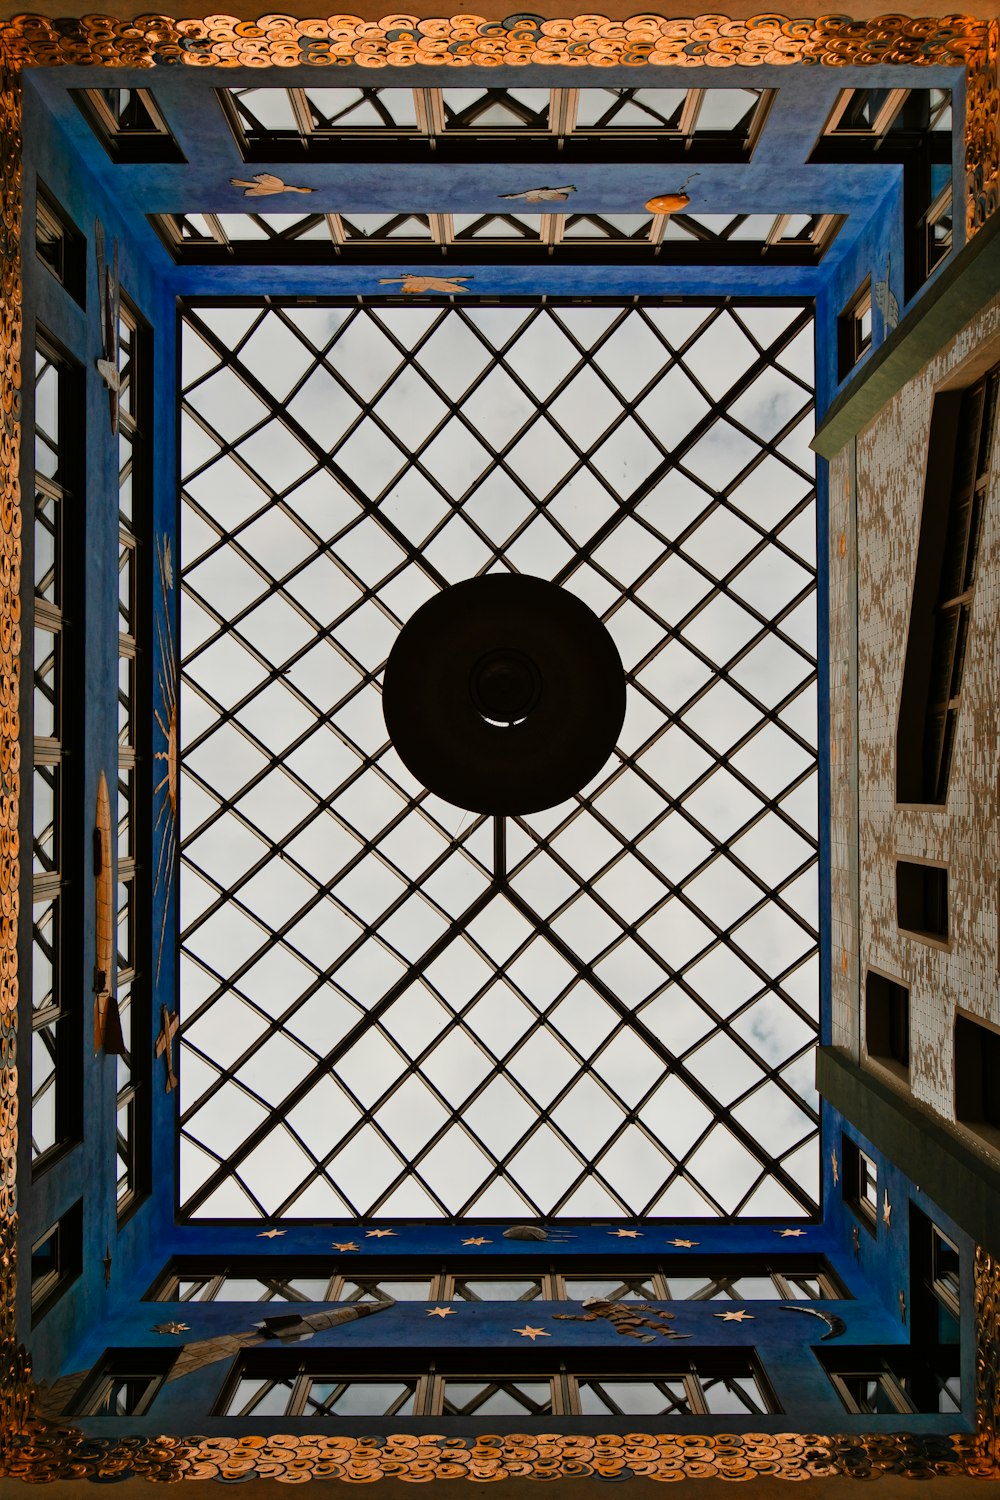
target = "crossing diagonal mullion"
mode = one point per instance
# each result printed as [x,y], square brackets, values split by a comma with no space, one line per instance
[279,412]
[670,1061]
[331,1058]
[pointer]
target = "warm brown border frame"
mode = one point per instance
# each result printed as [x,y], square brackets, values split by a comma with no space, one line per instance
[34,1451]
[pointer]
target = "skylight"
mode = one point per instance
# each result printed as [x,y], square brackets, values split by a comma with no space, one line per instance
[391,1007]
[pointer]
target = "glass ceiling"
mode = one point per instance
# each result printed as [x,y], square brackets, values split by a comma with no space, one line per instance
[394,1008]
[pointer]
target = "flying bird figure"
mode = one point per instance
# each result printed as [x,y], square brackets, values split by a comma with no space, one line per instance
[266,185]
[109,297]
[411,283]
[541,194]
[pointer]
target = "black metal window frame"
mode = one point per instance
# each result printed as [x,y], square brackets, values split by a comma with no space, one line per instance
[123,1383]
[900,1379]
[860,1183]
[59,245]
[433,123]
[960,454]
[267,238]
[56,1261]
[223,625]
[56,1032]
[133,131]
[132,841]
[685,1381]
[197,1279]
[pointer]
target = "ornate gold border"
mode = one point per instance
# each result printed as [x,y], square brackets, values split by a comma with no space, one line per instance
[14,1373]
[35,1451]
[65,1453]
[403,41]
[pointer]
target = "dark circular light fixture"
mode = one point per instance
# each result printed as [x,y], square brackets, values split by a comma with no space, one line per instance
[504,694]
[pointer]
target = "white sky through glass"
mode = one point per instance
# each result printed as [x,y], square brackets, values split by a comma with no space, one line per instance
[372,1023]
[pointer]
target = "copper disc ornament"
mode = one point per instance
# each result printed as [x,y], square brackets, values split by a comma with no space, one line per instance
[504,694]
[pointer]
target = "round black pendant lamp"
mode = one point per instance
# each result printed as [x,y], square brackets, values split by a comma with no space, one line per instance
[504,694]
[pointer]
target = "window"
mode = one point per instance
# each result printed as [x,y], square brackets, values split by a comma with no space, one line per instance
[977,1078]
[129,125]
[133,978]
[945,1270]
[922,899]
[866,112]
[854,329]
[860,1183]
[789,239]
[55,1042]
[893,1382]
[958,468]
[699,1386]
[887,1022]
[880,117]
[427,982]
[404,1281]
[719,124]
[59,245]
[283,1383]
[124,1383]
[56,1260]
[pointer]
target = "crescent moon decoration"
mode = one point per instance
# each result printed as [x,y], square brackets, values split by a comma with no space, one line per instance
[165,790]
[836,1325]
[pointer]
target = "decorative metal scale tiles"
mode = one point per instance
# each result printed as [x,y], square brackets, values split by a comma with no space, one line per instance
[391,1007]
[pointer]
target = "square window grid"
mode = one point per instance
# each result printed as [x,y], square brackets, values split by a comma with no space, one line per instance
[406,1010]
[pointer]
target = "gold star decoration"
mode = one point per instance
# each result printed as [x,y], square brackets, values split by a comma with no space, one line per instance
[170,1327]
[527,1332]
[477,1241]
[735,1317]
[440,1312]
[684,1244]
[835,1164]
[378,1234]
[790,1234]
[344,1248]
[886,1211]
[625,1234]
[270,1234]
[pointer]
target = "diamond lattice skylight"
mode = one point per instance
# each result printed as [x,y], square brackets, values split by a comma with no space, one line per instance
[391,1007]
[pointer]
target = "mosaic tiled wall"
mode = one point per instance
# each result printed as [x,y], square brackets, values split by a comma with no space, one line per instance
[890,460]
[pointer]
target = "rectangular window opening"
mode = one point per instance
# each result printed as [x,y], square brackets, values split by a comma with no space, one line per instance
[887,1023]
[854,329]
[922,899]
[860,1176]
[56,1261]
[977,1078]
[958,468]
[60,246]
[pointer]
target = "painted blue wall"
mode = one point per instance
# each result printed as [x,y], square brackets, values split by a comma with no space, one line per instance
[61,147]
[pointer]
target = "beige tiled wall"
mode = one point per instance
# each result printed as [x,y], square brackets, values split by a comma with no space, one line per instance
[883,498]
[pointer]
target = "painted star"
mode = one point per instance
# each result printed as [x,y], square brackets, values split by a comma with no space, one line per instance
[344,1248]
[684,1244]
[477,1241]
[835,1164]
[886,1211]
[270,1234]
[735,1317]
[378,1234]
[170,1327]
[625,1234]
[527,1332]
[440,1312]
[790,1234]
